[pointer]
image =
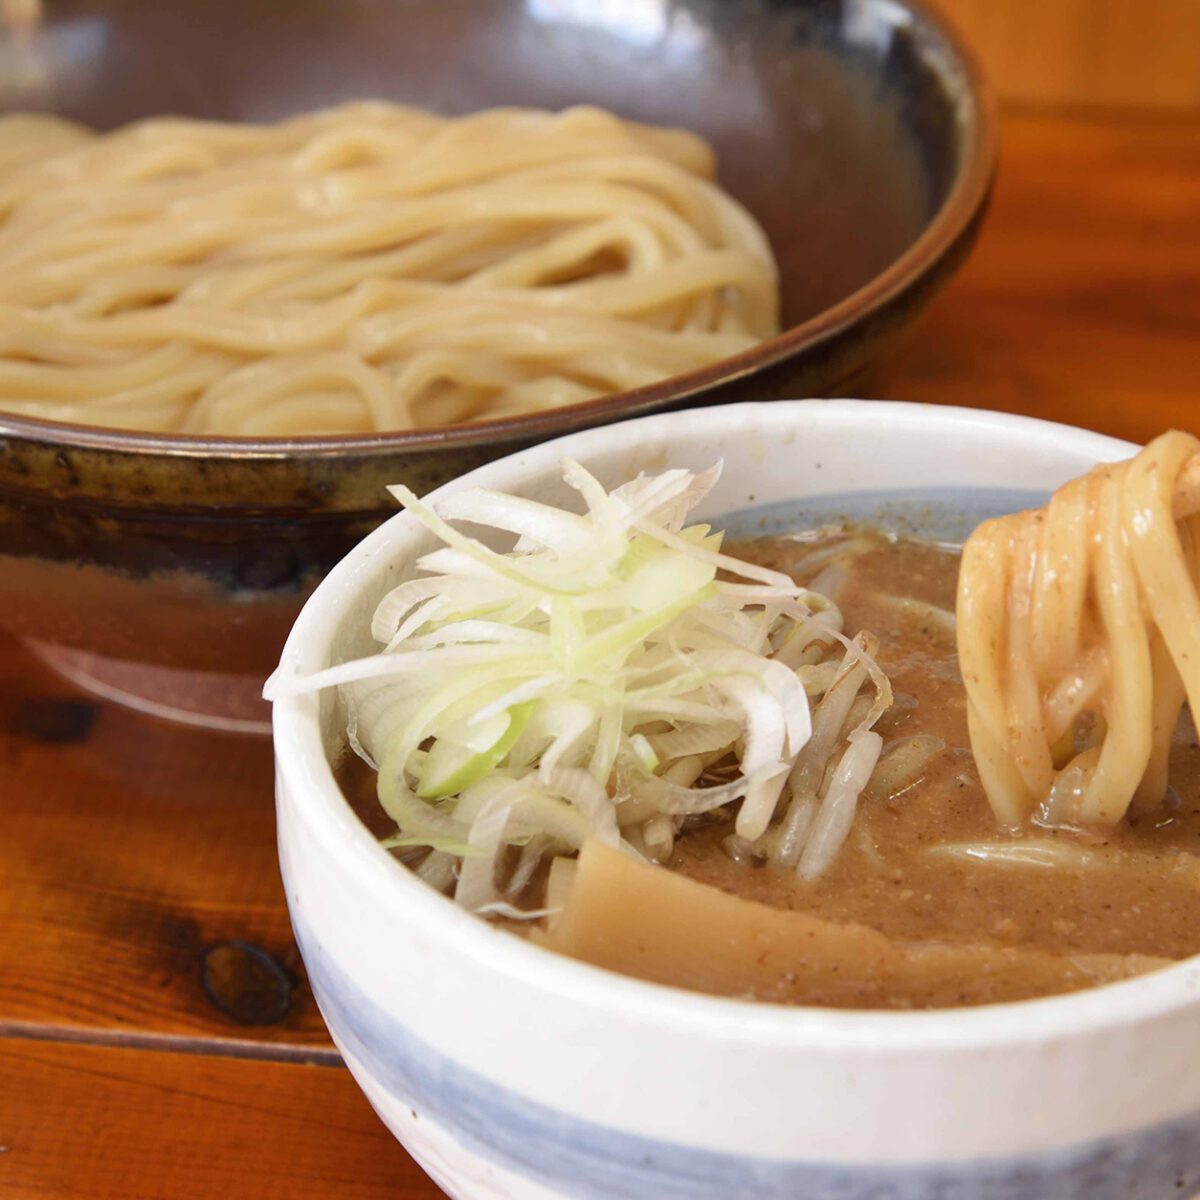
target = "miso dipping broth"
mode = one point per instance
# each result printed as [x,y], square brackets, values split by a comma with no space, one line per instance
[782,769]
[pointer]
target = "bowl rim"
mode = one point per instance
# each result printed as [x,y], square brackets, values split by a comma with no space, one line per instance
[978,135]
[301,759]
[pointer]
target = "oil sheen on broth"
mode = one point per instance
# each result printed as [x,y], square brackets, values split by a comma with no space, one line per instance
[927,866]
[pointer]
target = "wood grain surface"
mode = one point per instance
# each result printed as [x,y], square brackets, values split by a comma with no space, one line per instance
[132,849]
[1142,54]
[1081,302]
[95,1123]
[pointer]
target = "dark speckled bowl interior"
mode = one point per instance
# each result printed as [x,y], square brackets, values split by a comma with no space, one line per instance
[858,132]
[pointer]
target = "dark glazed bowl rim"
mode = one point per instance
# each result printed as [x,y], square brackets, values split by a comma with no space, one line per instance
[952,222]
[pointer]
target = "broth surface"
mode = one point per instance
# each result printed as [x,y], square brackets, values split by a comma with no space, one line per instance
[1134,893]
[1139,893]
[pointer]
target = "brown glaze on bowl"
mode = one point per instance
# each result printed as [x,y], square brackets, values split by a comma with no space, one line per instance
[859,132]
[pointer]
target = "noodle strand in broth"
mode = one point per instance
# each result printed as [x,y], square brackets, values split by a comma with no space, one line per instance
[1079,639]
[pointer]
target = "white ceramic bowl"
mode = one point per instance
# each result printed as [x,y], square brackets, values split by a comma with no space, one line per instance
[510,1072]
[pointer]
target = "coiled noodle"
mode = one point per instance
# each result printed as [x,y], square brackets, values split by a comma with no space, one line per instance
[365,268]
[1079,639]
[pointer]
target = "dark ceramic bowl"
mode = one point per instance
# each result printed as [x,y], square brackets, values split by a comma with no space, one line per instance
[859,133]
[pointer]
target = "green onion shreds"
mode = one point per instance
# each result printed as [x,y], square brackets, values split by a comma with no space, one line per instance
[612,675]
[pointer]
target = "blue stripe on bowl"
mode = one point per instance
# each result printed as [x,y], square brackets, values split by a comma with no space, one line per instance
[591,1162]
[945,514]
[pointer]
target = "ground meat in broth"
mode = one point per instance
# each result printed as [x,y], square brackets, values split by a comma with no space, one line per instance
[1137,896]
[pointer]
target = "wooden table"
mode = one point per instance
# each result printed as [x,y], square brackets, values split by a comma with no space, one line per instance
[131,850]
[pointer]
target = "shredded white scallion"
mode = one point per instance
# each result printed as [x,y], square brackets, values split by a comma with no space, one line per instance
[613,675]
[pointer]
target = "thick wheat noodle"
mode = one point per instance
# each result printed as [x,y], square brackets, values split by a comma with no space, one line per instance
[364,268]
[1185,501]
[1087,606]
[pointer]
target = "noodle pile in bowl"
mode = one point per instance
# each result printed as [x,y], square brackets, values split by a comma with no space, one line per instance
[370,267]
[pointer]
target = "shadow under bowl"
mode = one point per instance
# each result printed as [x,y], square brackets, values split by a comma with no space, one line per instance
[859,133]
